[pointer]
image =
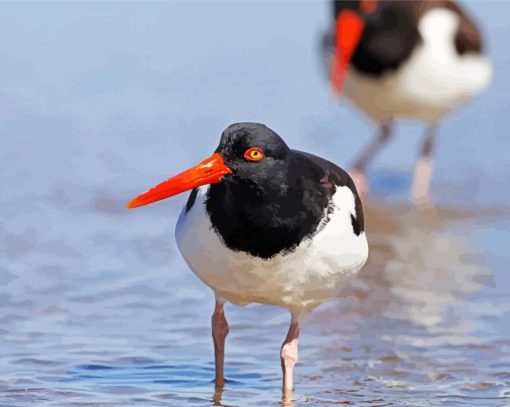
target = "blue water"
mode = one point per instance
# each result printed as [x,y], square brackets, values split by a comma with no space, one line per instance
[101,100]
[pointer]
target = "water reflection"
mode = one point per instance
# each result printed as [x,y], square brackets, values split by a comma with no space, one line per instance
[418,269]
[411,322]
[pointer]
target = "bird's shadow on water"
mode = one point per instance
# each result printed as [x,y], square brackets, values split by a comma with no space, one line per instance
[181,379]
[418,267]
[179,375]
[418,293]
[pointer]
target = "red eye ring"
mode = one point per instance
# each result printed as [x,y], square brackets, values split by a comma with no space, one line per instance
[254,154]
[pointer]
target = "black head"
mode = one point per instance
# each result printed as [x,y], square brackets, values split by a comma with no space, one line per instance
[252,151]
[341,5]
[362,7]
[249,154]
[386,34]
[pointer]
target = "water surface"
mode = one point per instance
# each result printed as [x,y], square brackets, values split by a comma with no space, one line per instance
[109,315]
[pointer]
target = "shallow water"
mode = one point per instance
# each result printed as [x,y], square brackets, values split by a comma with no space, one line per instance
[107,314]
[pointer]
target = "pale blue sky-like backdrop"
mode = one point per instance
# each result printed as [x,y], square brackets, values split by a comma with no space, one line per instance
[111,92]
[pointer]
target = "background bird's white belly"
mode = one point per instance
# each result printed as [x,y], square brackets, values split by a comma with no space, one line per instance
[315,271]
[434,80]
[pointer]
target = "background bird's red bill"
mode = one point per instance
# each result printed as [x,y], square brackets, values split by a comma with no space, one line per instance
[349,28]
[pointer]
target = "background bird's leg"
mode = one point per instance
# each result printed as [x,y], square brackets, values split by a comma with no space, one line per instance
[358,171]
[289,357]
[424,168]
[219,333]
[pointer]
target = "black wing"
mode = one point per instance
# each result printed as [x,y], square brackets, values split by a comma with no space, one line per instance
[468,38]
[333,177]
[388,40]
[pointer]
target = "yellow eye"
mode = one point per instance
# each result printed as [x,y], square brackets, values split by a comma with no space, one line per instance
[254,154]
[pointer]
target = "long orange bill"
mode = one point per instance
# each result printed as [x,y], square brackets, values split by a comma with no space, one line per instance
[209,171]
[349,29]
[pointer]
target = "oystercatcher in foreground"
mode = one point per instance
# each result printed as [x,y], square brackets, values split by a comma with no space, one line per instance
[266,224]
[404,59]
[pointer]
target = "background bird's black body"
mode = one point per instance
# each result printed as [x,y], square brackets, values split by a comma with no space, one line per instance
[389,37]
[391,33]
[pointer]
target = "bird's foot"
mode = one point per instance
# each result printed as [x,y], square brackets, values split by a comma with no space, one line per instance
[422,201]
[360,180]
[289,357]
[421,181]
[218,393]
[287,401]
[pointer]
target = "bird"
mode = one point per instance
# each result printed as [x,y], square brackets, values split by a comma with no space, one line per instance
[266,224]
[394,60]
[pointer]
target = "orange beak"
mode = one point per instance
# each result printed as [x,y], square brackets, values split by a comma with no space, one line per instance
[209,171]
[349,29]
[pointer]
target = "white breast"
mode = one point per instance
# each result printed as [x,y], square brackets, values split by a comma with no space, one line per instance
[433,81]
[314,272]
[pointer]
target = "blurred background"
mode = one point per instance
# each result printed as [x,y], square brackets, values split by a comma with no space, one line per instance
[98,101]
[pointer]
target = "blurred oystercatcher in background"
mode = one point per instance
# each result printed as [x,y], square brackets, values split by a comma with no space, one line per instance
[404,59]
[266,224]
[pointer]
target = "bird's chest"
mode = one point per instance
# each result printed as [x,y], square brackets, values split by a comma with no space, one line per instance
[302,277]
[266,227]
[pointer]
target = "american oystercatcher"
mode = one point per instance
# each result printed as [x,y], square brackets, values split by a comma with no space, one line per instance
[266,224]
[404,59]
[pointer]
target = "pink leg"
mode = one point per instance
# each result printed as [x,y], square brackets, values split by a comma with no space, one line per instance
[359,168]
[219,333]
[424,169]
[360,180]
[289,358]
